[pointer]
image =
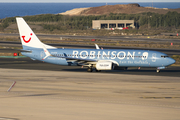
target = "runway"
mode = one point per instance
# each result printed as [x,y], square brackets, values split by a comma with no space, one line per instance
[45,91]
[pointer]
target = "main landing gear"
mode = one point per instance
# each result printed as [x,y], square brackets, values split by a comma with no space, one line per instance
[90,69]
[98,70]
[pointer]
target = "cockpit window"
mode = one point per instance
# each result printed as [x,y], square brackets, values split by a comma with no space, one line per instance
[164,56]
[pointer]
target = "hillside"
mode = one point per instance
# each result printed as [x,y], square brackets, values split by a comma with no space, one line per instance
[148,22]
[120,8]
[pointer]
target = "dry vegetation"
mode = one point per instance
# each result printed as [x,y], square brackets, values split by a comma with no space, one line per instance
[127,9]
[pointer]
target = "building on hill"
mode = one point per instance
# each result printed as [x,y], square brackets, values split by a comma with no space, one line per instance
[112,24]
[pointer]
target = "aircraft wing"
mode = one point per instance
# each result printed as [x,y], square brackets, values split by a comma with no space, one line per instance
[66,57]
[80,59]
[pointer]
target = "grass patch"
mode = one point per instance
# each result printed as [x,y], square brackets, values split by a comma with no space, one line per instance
[177,58]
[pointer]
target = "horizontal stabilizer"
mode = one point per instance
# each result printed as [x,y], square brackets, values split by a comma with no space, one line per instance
[25,51]
[46,52]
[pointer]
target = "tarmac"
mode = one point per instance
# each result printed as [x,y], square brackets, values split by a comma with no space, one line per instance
[116,38]
[45,91]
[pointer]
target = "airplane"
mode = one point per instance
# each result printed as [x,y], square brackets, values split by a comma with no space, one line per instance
[98,59]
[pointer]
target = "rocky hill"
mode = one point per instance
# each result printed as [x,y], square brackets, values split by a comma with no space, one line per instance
[122,8]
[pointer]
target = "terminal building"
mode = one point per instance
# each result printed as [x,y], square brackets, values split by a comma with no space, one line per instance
[116,24]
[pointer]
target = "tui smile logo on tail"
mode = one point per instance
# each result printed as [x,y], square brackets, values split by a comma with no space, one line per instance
[26,41]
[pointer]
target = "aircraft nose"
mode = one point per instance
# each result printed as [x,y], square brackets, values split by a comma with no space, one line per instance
[171,61]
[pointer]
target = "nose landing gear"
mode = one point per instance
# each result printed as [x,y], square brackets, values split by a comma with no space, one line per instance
[158,70]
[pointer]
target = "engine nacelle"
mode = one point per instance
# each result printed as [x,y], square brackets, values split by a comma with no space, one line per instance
[104,66]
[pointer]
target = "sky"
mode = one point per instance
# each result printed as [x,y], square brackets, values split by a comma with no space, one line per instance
[84,1]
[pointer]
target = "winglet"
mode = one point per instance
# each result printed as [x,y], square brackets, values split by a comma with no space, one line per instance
[97,47]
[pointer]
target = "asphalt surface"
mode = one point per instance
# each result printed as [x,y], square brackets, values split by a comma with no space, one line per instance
[78,95]
[120,38]
[27,63]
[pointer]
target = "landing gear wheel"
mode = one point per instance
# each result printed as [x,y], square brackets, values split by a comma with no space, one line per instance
[98,70]
[89,69]
[158,71]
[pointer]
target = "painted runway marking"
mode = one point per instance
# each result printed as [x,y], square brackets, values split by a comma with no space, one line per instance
[11,86]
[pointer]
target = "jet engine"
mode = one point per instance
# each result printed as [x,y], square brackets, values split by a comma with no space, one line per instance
[104,66]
